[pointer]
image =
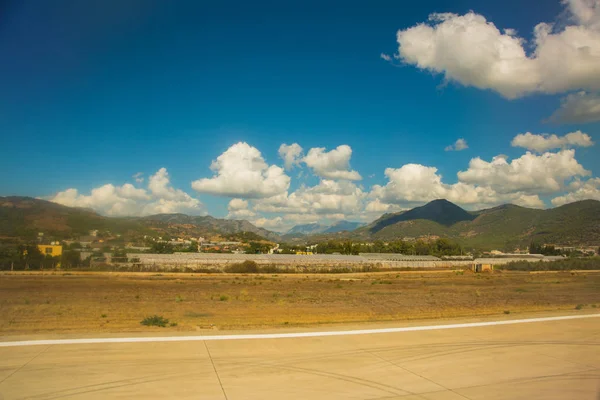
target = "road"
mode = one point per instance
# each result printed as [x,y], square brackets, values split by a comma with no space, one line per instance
[536,360]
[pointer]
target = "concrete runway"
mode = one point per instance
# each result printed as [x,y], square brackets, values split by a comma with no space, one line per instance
[540,360]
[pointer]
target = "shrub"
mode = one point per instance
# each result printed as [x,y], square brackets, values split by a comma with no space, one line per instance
[246,267]
[506,312]
[103,315]
[579,306]
[155,320]
[223,298]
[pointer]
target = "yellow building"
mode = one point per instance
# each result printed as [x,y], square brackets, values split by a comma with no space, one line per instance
[50,249]
[304,253]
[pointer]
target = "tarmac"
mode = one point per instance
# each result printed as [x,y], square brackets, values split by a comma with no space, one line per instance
[552,359]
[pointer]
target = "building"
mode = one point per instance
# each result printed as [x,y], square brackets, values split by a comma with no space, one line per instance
[478,267]
[52,250]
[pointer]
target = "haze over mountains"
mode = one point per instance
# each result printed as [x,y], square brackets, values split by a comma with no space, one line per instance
[504,227]
[316,228]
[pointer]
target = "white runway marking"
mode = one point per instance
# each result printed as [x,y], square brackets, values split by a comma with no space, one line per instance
[288,335]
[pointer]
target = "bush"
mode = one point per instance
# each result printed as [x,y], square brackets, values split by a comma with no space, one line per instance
[566,264]
[506,312]
[223,298]
[246,267]
[155,320]
[579,306]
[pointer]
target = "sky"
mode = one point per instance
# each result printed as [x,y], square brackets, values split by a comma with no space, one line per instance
[285,113]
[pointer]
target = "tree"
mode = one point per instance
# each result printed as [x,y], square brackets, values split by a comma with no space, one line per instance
[535,248]
[71,259]
[162,248]
[31,256]
[119,255]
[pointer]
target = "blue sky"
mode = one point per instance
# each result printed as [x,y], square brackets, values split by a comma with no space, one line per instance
[94,92]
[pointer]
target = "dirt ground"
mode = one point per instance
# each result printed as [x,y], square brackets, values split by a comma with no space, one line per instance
[66,302]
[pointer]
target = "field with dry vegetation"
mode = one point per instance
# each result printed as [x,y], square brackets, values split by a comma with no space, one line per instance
[63,302]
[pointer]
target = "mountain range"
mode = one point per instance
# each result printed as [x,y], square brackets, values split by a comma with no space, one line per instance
[24,217]
[504,227]
[312,229]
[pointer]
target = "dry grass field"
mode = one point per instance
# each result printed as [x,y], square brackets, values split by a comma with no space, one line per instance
[61,302]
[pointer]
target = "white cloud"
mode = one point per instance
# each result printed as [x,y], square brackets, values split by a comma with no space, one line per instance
[589,189]
[238,209]
[385,57]
[472,51]
[334,164]
[544,142]
[291,155]
[483,184]
[532,174]
[459,145]
[275,223]
[241,171]
[378,207]
[139,177]
[578,107]
[327,197]
[127,200]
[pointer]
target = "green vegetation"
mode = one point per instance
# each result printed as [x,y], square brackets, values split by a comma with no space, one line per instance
[438,247]
[162,248]
[155,320]
[246,267]
[503,228]
[568,264]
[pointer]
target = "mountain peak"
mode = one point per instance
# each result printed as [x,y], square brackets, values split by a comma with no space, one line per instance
[441,211]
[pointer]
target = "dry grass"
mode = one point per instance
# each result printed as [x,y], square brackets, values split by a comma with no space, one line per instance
[114,302]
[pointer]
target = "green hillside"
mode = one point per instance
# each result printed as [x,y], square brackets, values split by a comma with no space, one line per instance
[24,217]
[504,227]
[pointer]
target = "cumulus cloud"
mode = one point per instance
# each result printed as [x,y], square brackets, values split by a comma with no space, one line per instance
[589,189]
[276,223]
[127,200]
[530,173]
[239,209]
[241,171]
[472,51]
[460,144]
[334,164]
[578,107]
[291,155]
[484,183]
[545,142]
[327,197]
[385,57]
[139,177]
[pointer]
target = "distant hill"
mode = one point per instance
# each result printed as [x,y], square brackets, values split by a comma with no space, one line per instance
[313,229]
[24,217]
[224,226]
[343,226]
[307,229]
[504,227]
[440,211]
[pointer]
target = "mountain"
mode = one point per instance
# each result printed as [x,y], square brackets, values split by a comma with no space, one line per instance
[316,228]
[503,227]
[24,217]
[307,229]
[224,226]
[440,211]
[341,226]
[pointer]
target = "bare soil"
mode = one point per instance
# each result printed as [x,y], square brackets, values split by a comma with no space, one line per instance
[66,302]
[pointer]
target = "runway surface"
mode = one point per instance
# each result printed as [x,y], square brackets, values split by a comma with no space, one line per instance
[548,359]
